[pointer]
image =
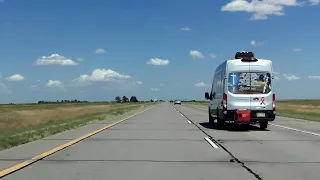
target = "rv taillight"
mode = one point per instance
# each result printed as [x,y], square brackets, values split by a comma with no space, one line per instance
[224,103]
[274,102]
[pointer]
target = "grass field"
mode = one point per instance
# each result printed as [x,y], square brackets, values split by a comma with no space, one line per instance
[301,109]
[23,123]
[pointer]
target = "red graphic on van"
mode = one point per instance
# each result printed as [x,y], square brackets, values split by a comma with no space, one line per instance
[262,101]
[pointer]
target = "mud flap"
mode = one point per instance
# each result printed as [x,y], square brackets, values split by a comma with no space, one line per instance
[243,115]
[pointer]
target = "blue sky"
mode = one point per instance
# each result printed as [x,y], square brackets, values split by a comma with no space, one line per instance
[96,50]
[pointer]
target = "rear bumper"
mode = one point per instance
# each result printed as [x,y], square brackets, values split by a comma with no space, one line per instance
[231,116]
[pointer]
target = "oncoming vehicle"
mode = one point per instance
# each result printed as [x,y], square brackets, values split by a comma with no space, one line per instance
[177,102]
[242,91]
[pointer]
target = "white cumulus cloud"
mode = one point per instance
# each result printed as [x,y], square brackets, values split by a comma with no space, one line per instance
[186,29]
[54,83]
[154,89]
[202,84]
[261,9]
[55,60]
[80,59]
[314,77]
[255,43]
[103,75]
[315,2]
[158,62]
[100,51]
[196,54]
[291,77]
[15,77]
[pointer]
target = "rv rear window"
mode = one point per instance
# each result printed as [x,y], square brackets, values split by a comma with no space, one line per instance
[249,83]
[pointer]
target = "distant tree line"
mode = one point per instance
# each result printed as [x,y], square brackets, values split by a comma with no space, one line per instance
[171,101]
[118,99]
[125,99]
[62,102]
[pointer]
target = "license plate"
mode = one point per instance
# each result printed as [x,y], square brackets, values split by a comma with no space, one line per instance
[261,115]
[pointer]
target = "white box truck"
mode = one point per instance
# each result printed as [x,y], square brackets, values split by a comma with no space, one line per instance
[242,91]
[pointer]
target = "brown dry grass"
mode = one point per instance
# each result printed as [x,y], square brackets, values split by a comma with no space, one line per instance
[303,109]
[20,116]
[23,123]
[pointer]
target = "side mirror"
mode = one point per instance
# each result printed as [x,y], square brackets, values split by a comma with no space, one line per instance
[206,95]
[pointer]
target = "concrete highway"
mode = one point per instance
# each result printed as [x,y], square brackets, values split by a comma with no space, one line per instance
[173,143]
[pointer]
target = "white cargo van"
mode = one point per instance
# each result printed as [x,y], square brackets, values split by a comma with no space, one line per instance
[242,91]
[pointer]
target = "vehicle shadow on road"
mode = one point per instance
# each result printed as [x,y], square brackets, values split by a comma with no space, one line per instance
[231,127]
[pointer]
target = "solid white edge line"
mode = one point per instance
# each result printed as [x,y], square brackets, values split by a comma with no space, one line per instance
[211,143]
[285,127]
[293,129]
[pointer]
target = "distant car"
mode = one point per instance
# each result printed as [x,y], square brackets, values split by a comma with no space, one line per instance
[177,102]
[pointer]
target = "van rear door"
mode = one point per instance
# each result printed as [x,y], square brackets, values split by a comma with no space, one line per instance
[261,91]
[249,86]
[239,89]
[250,90]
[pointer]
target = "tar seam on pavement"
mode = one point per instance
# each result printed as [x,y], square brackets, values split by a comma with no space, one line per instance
[234,159]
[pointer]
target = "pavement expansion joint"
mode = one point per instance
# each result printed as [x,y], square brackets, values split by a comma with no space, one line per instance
[115,139]
[153,129]
[12,159]
[261,141]
[280,162]
[234,159]
[116,160]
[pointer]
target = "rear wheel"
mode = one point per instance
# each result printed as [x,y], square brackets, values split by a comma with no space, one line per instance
[220,121]
[263,125]
[211,119]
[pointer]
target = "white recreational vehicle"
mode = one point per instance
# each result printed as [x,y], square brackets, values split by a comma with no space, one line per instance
[242,91]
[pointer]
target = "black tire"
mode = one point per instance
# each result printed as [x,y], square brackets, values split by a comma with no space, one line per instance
[211,119]
[220,121]
[263,125]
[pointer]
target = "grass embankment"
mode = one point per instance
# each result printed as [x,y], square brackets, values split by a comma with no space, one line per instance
[301,109]
[23,123]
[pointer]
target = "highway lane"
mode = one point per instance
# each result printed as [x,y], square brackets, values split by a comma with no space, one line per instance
[157,144]
[276,153]
[161,144]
